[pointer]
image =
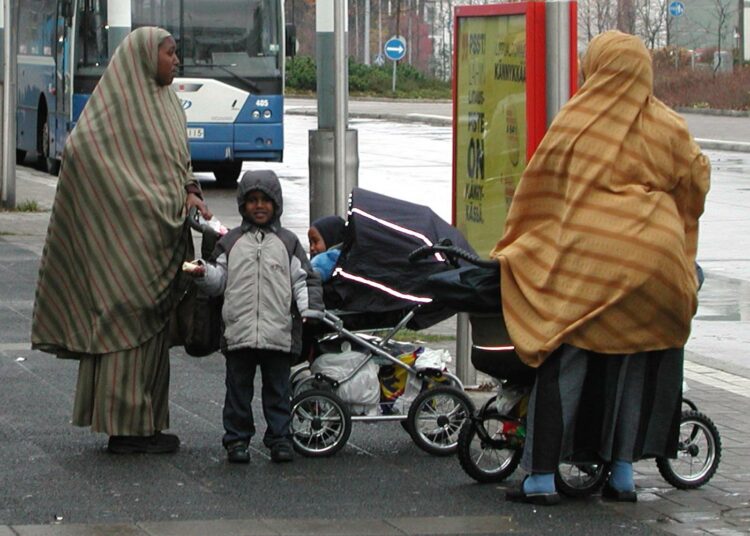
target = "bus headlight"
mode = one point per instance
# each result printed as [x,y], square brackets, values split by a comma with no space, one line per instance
[266,114]
[256,114]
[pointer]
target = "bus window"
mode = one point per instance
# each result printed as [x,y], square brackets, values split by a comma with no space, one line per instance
[240,35]
[162,13]
[36,28]
[91,46]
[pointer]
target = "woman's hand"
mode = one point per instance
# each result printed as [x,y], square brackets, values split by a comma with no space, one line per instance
[195,201]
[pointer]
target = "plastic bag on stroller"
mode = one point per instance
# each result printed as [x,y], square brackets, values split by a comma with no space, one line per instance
[362,390]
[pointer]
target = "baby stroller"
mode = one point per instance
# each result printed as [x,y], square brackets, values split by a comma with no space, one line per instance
[491,441]
[357,373]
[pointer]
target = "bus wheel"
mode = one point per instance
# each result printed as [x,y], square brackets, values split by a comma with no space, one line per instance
[227,174]
[20,156]
[50,165]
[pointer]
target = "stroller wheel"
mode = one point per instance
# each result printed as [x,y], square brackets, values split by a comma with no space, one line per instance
[321,423]
[580,479]
[435,419]
[483,448]
[698,453]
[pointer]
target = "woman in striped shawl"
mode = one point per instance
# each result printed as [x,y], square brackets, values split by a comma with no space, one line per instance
[598,276]
[115,245]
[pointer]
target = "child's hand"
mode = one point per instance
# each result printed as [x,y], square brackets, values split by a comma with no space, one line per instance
[194,268]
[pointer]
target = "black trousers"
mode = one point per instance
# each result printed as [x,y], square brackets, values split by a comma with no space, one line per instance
[276,393]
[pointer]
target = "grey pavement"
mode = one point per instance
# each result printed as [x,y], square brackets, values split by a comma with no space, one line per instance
[56,479]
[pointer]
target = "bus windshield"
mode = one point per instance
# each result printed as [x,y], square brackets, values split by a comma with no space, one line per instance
[240,39]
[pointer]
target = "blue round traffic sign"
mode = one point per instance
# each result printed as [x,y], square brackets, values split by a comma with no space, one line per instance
[676,8]
[395,48]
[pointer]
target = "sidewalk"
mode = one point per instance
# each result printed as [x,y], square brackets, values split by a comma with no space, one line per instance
[45,459]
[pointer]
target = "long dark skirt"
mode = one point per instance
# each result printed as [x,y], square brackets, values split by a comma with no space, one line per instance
[599,407]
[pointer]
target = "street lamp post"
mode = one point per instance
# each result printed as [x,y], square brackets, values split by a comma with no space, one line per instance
[8,184]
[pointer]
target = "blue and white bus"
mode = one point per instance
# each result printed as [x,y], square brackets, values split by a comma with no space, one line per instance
[231,80]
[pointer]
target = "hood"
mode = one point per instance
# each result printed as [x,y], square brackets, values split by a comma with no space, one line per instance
[267,182]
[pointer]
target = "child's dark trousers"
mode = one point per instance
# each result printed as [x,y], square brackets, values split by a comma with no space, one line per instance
[239,424]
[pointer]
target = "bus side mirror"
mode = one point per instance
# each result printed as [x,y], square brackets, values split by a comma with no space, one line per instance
[290,40]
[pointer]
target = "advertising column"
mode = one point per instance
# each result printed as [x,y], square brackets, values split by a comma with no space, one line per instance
[499,112]
[499,109]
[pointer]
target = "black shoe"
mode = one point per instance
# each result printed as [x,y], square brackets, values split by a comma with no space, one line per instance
[611,494]
[154,444]
[281,452]
[238,452]
[520,496]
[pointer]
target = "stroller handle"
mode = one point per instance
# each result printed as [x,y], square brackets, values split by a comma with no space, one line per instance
[452,253]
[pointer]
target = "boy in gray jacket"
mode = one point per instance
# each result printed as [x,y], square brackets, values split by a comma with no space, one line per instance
[269,288]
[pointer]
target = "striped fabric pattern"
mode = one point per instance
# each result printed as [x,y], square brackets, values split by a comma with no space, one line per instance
[116,237]
[601,237]
[128,392]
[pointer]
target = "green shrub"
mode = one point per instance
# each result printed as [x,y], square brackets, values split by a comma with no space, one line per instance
[301,73]
[370,80]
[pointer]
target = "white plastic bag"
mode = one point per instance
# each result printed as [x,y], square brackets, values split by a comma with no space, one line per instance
[362,391]
[411,390]
[433,359]
[508,396]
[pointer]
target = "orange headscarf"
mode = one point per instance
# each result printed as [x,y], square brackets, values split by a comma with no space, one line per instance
[601,237]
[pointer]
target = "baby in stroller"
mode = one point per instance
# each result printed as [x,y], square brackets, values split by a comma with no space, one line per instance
[357,370]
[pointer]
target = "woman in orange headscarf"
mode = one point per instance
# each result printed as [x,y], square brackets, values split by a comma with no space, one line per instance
[598,274]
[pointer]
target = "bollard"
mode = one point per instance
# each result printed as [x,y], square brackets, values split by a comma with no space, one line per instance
[322,170]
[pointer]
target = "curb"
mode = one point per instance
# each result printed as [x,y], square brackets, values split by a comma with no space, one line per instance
[713,111]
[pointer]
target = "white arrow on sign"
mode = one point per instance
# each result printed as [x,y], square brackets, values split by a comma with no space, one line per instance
[395,48]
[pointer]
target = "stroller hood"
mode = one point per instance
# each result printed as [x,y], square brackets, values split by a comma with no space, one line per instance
[374,274]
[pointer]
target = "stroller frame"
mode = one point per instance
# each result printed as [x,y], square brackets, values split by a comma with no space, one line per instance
[315,400]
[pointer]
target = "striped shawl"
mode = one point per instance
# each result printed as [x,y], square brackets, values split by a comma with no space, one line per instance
[601,236]
[116,237]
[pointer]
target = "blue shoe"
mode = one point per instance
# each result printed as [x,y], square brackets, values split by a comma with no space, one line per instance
[541,498]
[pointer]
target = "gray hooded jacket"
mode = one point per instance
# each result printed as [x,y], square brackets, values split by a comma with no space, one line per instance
[265,277]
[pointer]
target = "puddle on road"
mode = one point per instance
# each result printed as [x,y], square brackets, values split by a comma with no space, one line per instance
[724,299]
[728,162]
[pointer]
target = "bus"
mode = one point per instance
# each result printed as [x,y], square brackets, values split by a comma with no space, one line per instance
[231,78]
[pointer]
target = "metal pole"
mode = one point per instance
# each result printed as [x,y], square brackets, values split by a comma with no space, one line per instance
[329,186]
[340,91]
[557,55]
[9,108]
[393,78]
[380,26]
[464,368]
[2,92]
[367,32]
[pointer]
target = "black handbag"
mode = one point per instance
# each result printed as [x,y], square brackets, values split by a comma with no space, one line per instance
[196,320]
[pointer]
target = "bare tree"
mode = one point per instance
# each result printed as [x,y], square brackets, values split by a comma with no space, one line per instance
[595,17]
[626,16]
[651,21]
[719,26]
